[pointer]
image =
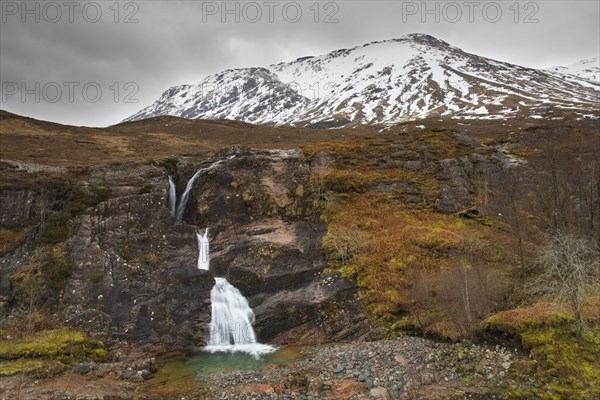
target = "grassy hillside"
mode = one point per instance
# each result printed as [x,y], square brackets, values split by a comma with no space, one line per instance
[33,141]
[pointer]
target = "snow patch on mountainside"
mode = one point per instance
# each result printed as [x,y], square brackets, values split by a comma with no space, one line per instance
[388,81]
[587,69]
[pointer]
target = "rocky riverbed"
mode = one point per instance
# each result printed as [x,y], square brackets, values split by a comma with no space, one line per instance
[405,368]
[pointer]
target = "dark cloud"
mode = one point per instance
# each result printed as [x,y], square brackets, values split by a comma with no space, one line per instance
[176,42]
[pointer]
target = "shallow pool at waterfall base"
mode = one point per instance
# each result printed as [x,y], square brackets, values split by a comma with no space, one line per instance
[179,372]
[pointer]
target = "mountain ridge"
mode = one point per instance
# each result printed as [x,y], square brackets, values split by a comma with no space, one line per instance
[387,81]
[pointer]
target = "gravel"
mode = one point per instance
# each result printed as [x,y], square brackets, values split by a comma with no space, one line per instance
[403,368]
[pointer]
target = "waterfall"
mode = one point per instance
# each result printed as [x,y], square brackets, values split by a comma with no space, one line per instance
[172,196]
[230,328]
[186,193]
[203,250]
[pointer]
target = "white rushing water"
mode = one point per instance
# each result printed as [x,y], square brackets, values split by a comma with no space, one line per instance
[230,328]
[186,193]
[203,250]
[172,195]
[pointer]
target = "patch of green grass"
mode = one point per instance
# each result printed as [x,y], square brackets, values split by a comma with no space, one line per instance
[147,188]
[32,367]
[169,164]
[41,344]
[101,193]
[97,277]
[566,365]
[46,352]
[57,267]
[55,229]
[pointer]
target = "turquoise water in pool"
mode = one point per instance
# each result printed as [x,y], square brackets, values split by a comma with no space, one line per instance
[180,372]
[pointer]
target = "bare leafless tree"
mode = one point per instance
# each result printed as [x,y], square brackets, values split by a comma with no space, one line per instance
[570,272]
[462,294]
[28,288]
[509,204]
[343,242]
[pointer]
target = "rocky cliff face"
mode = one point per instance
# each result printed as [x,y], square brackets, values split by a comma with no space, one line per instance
[134,271]
[262,215]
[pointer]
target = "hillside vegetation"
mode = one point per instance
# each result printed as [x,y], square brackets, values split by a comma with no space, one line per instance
[453,275]
[448,228]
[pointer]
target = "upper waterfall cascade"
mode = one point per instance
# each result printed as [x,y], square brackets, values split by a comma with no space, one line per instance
[178,207]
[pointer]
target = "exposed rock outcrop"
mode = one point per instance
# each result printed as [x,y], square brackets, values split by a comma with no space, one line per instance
[134,272]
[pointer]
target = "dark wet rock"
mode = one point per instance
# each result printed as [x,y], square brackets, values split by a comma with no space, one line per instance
[24,207]
[84,368]
[147,364]
[454,190]
[265,231]
[136,376]
[127,374]
[137,371]
[134,274]
[146,374]
[451,170]
[90,319]
[453,198]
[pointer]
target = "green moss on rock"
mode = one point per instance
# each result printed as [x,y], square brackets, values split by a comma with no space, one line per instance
[47,352]
[565,365]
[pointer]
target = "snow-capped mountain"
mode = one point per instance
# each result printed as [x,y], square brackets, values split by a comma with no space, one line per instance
[587,69]
[388,81]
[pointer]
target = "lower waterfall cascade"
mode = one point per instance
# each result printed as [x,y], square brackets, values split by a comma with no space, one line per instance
[230,328]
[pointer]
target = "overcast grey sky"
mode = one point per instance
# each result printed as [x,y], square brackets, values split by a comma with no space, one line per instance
[89,62]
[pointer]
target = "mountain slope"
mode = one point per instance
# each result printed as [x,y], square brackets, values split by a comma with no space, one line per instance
[244,94]
[587,69]
[390,81]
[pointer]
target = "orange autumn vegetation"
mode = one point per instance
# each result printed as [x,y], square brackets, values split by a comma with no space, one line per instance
[393,243]
[408,260]
[10,240]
